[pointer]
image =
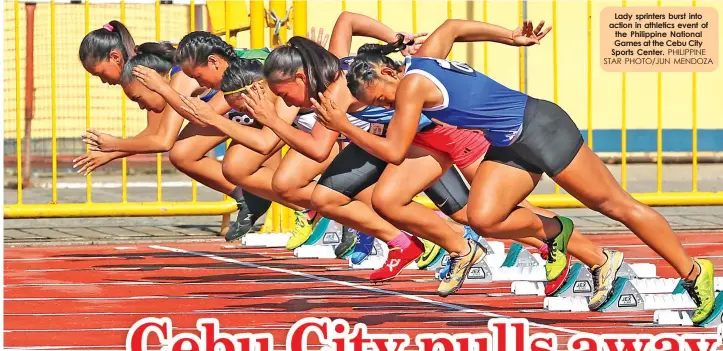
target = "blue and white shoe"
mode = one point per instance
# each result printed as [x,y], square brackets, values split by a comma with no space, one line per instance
[362,249]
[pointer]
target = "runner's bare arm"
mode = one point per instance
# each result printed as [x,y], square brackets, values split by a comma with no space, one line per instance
[402,128]
[170,124]
[440,42]
[351,24]
[263,140]
[316,145]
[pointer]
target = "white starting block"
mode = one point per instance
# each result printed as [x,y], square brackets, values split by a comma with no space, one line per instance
[579,282]
[376,258]
[265,239]
[677,309]
[634,294]
[324,242]
[624,298]
[683,317]
[517,264]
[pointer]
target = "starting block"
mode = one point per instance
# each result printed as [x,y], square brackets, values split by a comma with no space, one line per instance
[265,239]
[327,235]
[683,317]
[518,264]
[624,298]
[579,282]
[631,294]
[677,308]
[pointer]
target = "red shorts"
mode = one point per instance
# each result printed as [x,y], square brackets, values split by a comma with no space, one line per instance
[464,146]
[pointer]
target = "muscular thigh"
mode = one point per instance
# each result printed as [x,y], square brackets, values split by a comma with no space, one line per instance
[246,161]
[417,172]
[194,142]
[299,169]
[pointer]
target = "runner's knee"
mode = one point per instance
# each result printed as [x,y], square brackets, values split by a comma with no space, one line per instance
[328,201]
[178,156]
[485,219]
[385,204]
[236,172]
[286,186]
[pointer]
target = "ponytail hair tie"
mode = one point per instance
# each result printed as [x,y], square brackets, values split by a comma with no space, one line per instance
[108,26]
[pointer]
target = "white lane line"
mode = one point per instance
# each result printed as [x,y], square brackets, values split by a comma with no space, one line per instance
[224,297]
[25,285]
[357,286]
[236,310]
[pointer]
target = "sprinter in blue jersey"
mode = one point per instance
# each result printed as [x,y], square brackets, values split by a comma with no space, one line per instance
[529,137]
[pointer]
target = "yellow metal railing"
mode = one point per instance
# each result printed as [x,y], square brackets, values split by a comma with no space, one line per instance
[88,208]
[280,218]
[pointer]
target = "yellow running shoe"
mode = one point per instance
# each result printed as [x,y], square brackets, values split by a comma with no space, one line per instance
[701,290]
[301,232]
[431,250]
[603,277]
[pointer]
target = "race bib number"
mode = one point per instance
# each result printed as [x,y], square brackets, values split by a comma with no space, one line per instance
[376,129]
[240,118]
[458,67]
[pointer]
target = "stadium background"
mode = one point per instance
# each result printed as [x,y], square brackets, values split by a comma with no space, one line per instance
[501,62]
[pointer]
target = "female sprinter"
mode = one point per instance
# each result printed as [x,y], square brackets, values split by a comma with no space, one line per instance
[303,169]
[463,147]
[205,58]
[296,72]
[528,137]
[103,53]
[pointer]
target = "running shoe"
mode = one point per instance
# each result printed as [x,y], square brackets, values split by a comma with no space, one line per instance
[701,290]
[397,260]
[552,286]
[349,239]
[557,259]
[468,234]
[362,249]
[459,267]
[431,251]
[302,231]
[603,277]
[243,224]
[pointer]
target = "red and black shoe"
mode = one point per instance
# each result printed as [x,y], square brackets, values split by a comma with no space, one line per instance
[397,260]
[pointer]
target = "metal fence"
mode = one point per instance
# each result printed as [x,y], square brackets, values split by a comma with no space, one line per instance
[63,91]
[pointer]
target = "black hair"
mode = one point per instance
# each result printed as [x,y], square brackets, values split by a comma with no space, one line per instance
[361,69]
[320,66]
[241,73]
[97,45]
[198,46]
[156,56]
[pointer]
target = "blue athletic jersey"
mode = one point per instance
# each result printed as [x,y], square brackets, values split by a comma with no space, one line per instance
[471,99]
[374,114]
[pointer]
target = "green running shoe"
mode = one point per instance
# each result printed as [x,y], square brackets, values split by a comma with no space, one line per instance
[557,257]
[301,232]
[701,290]
[431,250]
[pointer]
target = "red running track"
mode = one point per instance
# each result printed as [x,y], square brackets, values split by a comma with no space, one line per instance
[86,298]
